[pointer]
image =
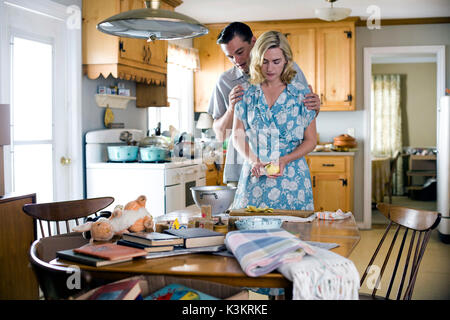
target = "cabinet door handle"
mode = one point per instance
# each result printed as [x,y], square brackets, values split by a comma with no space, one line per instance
[327,164]
[314,181]
[121,49]
[344,182]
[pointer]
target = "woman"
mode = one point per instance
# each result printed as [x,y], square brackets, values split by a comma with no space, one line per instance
[272,125]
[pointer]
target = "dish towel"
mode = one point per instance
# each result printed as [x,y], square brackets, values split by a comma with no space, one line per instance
[333,215]
[262,251]
[284,218]
[323,275]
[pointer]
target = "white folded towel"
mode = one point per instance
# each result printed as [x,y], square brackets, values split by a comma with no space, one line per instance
[333,215]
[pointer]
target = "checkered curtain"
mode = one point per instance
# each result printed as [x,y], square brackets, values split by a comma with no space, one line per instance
[386,122]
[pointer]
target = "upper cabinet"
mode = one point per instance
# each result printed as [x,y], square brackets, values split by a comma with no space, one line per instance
[125,58]
[325,51]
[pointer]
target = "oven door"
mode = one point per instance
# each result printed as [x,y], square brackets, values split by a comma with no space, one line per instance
[173,199]
[190,179]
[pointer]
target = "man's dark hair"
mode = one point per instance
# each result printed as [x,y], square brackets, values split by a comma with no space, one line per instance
[235,29]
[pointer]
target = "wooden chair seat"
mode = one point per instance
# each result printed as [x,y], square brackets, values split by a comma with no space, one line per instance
[420,223]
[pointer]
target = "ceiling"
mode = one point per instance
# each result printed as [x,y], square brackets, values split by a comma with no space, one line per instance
[211,11]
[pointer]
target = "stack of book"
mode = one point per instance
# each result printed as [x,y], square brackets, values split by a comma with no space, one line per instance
[98,255]
[150,241]
[175,241]
[147,244]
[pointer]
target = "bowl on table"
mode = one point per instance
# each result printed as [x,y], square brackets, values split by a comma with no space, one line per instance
[258,223]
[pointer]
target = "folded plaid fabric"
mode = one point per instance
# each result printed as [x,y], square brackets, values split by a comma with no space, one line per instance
[262,251]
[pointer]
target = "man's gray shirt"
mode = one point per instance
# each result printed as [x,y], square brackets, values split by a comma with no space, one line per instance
[218,105]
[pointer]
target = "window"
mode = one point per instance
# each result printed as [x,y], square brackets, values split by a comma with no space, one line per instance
[180,91]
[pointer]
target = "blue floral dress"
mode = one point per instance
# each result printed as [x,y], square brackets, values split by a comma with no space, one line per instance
[272,133]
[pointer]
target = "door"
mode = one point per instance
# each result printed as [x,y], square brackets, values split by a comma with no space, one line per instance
[303,45]
[330,192]
[138,52]
[35,59]
[174,198]
[335,65]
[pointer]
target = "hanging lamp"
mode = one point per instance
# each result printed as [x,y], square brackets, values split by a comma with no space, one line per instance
[332,13]
[152,23]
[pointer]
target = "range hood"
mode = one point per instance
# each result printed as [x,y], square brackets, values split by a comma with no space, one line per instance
[152,23]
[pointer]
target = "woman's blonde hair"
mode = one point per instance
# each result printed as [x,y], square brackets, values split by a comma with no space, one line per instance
[269,40]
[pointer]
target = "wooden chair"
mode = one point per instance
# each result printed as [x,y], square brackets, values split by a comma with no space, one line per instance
[65,212]
[55,281]
[393,169]
[419,222]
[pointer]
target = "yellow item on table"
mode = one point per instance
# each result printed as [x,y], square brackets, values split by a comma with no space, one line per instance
[175,225]
[255,209]
[272,169]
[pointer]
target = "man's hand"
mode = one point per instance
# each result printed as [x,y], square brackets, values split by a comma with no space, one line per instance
[235,96]
[312,101]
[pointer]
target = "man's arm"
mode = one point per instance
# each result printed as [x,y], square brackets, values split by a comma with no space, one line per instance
[222,126]
[312,100]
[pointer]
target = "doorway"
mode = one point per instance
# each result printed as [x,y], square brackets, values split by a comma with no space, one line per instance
[41,81]
[373,56]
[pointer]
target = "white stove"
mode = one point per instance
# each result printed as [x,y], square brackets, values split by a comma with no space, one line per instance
[166,185]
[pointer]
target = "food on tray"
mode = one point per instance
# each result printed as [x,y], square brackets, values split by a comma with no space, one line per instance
[255,209]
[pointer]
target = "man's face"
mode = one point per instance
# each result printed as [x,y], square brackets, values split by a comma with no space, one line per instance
[238,51]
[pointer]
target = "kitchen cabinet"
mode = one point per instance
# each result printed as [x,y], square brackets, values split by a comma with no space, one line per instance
[214,174]
[17,233]
[125,58]
[212,63]
[325,51]
[332,182]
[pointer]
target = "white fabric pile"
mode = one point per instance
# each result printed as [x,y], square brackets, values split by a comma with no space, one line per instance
[323,275]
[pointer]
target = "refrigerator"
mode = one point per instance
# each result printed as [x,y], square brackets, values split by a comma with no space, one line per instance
[443,167]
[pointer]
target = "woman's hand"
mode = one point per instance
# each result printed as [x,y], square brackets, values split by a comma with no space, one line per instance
[257,167]
[281,163]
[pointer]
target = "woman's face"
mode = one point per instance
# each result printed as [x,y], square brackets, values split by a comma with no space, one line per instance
[273,64]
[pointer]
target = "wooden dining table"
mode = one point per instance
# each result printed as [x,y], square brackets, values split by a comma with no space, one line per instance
[226,269]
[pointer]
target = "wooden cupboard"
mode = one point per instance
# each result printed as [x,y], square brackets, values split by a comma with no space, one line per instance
[17,233]
[332,182]
[125,58]
[325,51]
[214,174]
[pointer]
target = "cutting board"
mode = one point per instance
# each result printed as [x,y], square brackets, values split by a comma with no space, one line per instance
[276,212]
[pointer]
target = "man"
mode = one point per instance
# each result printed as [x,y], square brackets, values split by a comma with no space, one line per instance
[236,41]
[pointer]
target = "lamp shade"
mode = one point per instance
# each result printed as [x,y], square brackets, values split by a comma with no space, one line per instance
[205,121]
[332,14]
[152,23]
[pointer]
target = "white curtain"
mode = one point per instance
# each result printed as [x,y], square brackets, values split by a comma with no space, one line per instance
[387,122]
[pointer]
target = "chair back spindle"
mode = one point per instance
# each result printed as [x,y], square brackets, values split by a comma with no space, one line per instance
[418,221]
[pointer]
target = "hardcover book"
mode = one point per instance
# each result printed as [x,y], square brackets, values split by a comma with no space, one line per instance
[198,237]
[70,255]
[144,247]
[153,238]
[177,291]
[121,290]
[110,251]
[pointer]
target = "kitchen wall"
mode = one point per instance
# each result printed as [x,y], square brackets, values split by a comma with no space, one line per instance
[418,94]
[330,124]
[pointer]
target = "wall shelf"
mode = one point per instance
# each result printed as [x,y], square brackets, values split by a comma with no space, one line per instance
[114,101]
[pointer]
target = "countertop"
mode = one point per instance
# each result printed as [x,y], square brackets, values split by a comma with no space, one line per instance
[331,153]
